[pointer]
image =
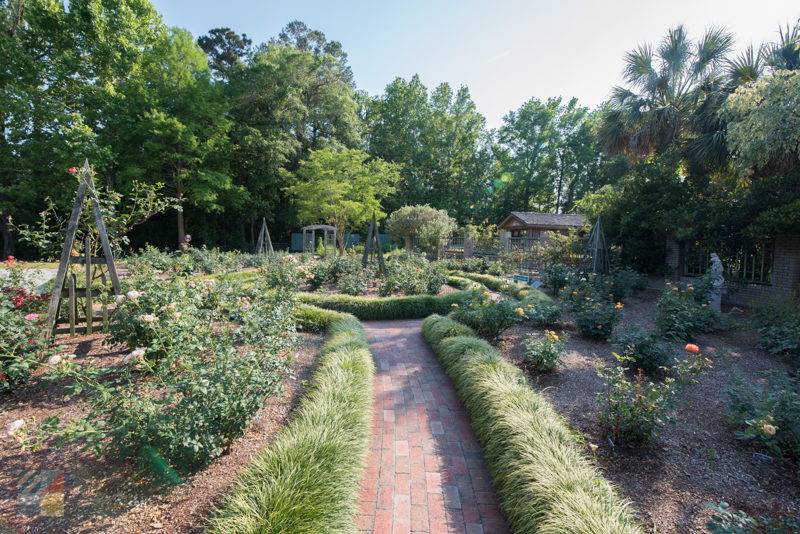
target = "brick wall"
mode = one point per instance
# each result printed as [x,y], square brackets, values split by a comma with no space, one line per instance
[785,275]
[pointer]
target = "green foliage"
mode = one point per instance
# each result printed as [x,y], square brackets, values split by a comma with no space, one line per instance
[383,309]
[642,347]
[21,345]
[412,275]
[355,283]
[635,410]
[543,353]
[206,355]
[726,521]
[424,222]
[683,310]
[596,318]
[307,480]
[486,316]
[557,276]
[543,312]
[779,327]
[341,188]
[769,415]
[544,482]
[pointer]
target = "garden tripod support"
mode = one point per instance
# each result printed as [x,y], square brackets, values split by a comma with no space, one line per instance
[85,187]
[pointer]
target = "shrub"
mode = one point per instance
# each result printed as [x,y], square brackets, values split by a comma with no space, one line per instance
[542,313]
[769,416]
[544,482]
[642,346]
[503,285]
[487,317]
[557,276]
[544,353]
[779,327]
[682,311]
[635,410]
[218,354]
[354,283]
[308,479]
[319,273]
[726,521]
[627,282]
[22,347]
[382,309]
[596,318]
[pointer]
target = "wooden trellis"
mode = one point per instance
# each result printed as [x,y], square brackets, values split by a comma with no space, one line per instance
[264,244]
[71,292]
[372,247]
[597,259]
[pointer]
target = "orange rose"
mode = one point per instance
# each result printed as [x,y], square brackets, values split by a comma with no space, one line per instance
[692,348]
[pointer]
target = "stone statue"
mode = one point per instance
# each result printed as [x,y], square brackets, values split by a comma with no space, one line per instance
[718,281]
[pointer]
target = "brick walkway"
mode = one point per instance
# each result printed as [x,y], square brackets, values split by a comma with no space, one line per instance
[425,471]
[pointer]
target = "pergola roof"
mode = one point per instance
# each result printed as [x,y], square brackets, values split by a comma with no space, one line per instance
[319,227]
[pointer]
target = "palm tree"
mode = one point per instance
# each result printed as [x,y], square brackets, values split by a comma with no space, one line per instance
[666,86]
[785,54]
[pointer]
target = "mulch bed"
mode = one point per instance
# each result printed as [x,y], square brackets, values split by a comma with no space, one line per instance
[112,496]
[695,461]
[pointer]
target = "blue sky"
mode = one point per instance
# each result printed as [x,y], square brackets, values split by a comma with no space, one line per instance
[505,51]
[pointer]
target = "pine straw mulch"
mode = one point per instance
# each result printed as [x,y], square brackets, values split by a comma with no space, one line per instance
[694,461]
[108,495]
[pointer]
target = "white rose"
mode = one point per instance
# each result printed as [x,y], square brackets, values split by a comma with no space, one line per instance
[14,427]
[148,318]
[119,299]
[54,360]
[134,356]
[133,295]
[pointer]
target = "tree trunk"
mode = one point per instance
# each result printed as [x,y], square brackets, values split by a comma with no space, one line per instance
[409,243]
[8,237]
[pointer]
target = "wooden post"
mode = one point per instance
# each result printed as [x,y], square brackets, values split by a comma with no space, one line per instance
[88,266]
[101,230]
[105,305]
[72,305]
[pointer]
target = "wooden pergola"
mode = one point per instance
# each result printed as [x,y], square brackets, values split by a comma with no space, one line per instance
[328,237]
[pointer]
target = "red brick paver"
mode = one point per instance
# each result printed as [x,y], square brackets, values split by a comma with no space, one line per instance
[425,470]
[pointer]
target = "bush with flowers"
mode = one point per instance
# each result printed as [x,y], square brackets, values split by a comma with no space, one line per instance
[487,316]
[683,310]
[596,318]
[636,409]
[543,353]
[14,287]
[779,326]
[203,355]
[642,346]
[556,276]
[769,415]
[412,275]
[22,347]
[542,312]
[355,283]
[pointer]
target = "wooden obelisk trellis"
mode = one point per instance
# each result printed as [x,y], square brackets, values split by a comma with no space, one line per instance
[372,247]
[64,278]
[264,244]
[597,259]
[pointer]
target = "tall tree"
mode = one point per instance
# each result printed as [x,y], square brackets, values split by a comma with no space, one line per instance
[225,49]
[341,188]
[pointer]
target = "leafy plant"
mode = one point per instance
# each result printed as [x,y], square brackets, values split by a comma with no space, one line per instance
[643,346]
[486,316]
[542,312]
[683,310]
[636,409]
[557,276]
[543,353]
[726,521]
[779,327]
[596,318]
[769,415]
[355,283]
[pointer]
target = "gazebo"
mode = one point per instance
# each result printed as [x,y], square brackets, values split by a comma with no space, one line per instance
[328,237]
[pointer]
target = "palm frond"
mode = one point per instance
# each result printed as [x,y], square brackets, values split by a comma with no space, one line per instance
[639,66]
[785,53]
[744,68]
[712,48]
[674,52]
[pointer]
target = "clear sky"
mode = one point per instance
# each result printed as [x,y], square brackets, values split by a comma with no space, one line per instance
[505,51]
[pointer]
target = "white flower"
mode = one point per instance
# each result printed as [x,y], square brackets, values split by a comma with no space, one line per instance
[147,318]
[119,299]
[71,356]
[133,295]
[54,360]
[134,356]
[14,427]
[176,315]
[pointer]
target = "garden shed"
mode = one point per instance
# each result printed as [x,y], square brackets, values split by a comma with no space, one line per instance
[533,225]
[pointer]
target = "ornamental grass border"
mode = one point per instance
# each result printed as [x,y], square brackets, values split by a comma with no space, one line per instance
[307,480]
[545,482]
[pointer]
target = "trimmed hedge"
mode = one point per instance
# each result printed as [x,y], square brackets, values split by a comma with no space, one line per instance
[308,479]
[380,309]
[545,483]
[495,283]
